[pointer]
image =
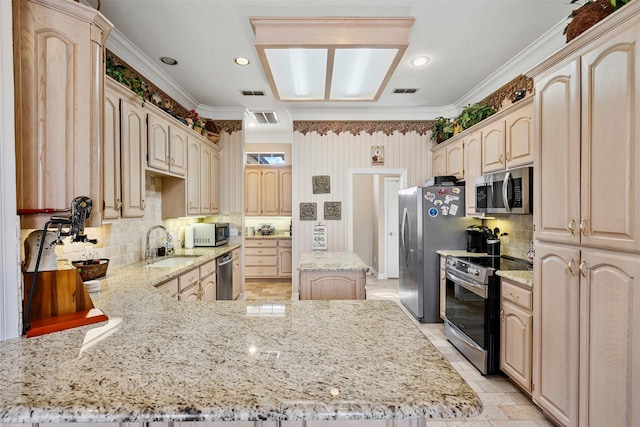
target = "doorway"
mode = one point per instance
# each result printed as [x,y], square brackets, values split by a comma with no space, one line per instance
[373,217]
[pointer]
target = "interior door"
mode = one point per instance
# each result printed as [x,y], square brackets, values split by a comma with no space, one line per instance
[392,186]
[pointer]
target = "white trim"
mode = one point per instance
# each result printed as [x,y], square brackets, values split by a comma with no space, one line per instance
[401,173]
[386,181]
[9,231]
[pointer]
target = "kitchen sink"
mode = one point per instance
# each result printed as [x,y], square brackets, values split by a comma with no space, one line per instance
[173,261]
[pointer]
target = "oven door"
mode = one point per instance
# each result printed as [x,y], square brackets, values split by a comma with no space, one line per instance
[466,305]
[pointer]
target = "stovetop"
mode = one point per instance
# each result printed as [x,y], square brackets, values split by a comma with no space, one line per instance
[483,267]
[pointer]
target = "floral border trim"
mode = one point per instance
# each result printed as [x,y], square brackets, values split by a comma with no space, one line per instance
[228,126]
[357,127]
[497,98]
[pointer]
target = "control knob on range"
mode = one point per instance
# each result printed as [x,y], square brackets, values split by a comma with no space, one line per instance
[473,270]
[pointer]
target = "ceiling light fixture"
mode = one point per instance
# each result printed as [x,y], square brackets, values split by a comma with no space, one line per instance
[241,61]
[168,60]
[419,61]
[330,59]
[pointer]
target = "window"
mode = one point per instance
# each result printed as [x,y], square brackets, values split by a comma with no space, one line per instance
[265,158]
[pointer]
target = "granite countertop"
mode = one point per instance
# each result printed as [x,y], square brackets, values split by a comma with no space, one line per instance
[331,261]
[158,359]
[276,235]
[524,277]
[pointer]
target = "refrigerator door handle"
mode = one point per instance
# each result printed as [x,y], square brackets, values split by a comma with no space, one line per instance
[403,236]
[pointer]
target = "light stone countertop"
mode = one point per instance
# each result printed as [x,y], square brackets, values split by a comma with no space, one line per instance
[331,261]
[524,277]
[276,235]
[158,359]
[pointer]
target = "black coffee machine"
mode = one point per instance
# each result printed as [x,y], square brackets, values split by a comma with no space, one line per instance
[477,238]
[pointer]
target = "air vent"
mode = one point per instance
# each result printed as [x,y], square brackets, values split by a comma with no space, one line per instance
[253,93]
[265,117]
[409,90]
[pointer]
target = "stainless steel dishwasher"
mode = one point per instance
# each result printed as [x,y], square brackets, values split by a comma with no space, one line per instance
[224,277]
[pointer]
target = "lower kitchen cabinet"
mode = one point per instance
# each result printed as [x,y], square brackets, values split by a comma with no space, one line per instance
[586,369]
[171,288]
[267,258]
[236,274]
[188,284]
[208,281]
[285,263]
[516,332]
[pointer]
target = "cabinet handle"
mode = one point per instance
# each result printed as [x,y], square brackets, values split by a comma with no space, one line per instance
[570,266]
[582,267]
[572,226]
[118,204]
[502,314]
[515,297]
[168,159]
[508,156]
[583,227]
[144,205]
[500,159]
[173,161]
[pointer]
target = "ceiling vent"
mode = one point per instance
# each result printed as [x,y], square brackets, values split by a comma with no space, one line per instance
[265,117]
[253,93]
[409,90]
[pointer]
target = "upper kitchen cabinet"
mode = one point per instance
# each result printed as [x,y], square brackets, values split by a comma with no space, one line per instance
[125,137]
[167,146]
[268,191]
[508,141]
[587,158]
[472,169]
[59,92]
[448,159]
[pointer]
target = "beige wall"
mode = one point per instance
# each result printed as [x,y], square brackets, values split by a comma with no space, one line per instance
[340,155]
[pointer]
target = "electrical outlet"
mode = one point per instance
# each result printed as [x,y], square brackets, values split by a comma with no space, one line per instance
[88,251]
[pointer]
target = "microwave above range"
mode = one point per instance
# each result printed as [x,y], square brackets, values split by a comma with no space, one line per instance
[508,192]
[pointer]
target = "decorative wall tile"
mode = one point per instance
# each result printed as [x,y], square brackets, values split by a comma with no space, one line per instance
[308,212]
[321,184]
[332,210]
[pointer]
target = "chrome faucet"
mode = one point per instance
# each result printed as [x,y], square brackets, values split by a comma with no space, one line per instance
[149,255]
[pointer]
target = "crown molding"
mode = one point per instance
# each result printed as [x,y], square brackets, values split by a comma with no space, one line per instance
[217,113]
[128,52]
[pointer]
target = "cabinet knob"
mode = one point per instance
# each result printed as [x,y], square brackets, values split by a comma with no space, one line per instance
[570,266]
[144,205]
[572,226]
[515,297]
[583,267]
[502,313]
[173,161]
[508,156]
[500,159]
[583,227]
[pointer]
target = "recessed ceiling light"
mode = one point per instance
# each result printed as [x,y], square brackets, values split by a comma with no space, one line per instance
[169,61]
[241,61]
[419,61]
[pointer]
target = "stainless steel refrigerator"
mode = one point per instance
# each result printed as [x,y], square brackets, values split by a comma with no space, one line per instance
[431,218]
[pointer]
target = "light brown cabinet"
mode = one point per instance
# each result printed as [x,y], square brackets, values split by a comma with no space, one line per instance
[448,159]
[236,274]
[59,92]
[472,169]
[267,258]
[125,136]
[268,191]
[208,281]
[587,245]
[167,144]
[516,332]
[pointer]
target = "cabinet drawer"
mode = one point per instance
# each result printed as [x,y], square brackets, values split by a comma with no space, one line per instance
[261,243]
[261,251]
[260,271]
[207,269]
[271,261]
[189,279]
[284,243]
[517,295]
[170,287]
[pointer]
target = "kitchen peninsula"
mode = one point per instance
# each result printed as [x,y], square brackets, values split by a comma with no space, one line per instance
[158,359]
[332,275]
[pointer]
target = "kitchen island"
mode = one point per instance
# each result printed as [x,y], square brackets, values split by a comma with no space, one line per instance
[158,359]
[332,275]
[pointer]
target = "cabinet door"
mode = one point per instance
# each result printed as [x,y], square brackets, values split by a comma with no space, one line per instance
[285,182]
[193,178]
[556,334]
[609,339]
[206,180]
[59,84]
[158,142]
[208,288]
[178,143]
[493,158]
[285,268]
[519,136]
[252,192]
[134,136]
[215,181]
[237,274]
[472,169]
[516,327]
[610,168]
[557,134]
[439,162]
[111,191]
[455,159]
[190,294]
[270,190]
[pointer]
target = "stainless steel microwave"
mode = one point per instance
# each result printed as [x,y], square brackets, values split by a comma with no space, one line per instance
[508,192]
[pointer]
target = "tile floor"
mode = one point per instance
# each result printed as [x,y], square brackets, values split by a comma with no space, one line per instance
[504,404]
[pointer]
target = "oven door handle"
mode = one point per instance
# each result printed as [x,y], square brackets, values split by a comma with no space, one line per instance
[480,290]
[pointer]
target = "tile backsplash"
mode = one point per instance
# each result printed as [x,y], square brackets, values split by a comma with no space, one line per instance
[520,234]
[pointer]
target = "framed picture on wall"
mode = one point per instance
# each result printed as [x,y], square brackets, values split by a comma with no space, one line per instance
[377,155]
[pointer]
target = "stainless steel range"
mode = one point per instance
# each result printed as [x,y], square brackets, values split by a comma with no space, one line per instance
[472,307]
